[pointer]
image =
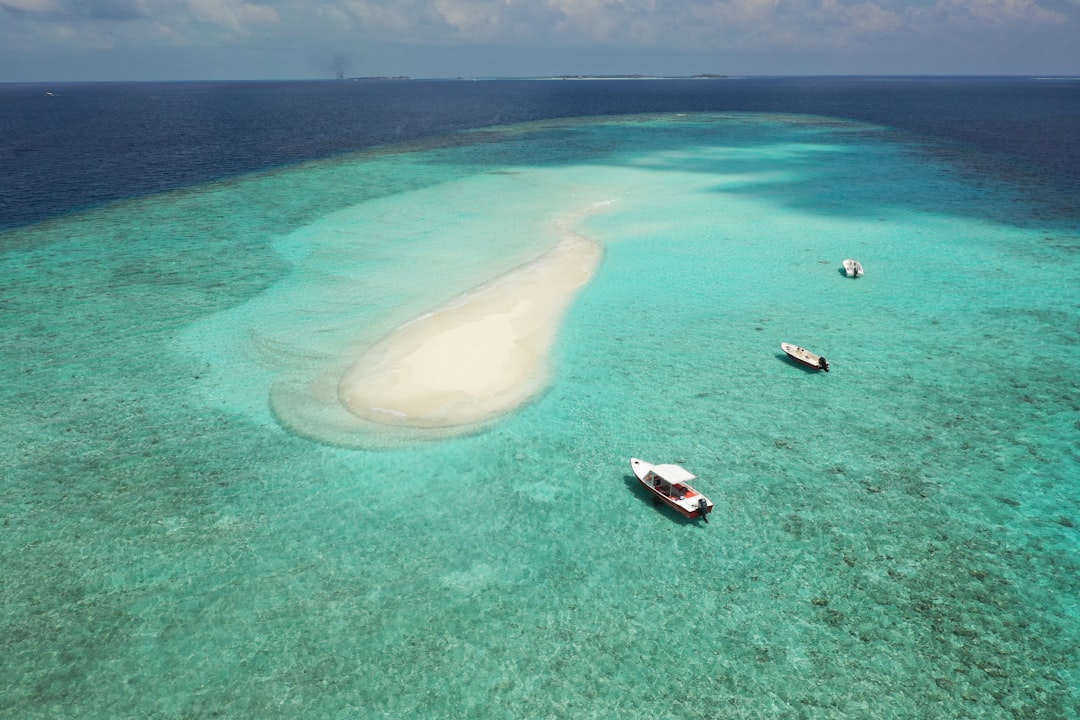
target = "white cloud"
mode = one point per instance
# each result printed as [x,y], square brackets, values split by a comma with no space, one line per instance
[32,6]
[91,20]
[114,9]
[668,24]
[996,12]
[473,18]
[674,24]
[549,33]
[235,15]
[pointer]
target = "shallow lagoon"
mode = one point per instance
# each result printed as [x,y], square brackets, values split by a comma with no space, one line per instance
[894,539]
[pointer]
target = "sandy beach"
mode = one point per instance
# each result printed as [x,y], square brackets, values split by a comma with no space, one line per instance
[477,357]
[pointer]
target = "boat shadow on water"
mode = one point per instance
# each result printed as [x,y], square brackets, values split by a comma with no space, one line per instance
[647,499]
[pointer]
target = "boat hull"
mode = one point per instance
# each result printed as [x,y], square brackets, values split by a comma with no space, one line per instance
[805,357]
[688,506]
[853,268]
[688,514]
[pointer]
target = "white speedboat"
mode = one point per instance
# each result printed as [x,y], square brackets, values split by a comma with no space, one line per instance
[853,268]
[805,357]
[669,484]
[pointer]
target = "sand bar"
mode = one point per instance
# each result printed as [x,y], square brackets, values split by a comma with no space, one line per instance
[477,357]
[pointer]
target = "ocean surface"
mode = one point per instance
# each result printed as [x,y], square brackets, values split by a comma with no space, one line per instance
[190,530]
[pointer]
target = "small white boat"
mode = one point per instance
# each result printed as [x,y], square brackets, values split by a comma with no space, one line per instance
[805,357]
[669,484]
[853,268]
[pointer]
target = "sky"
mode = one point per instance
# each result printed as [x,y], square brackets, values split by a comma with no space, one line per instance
[80,40]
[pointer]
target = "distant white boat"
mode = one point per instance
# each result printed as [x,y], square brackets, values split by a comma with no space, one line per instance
[805,357]
[668,484]
[853,268]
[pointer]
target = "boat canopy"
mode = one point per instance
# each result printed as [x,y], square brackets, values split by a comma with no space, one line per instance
[673,473]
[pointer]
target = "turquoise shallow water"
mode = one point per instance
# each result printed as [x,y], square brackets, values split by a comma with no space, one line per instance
[187,534]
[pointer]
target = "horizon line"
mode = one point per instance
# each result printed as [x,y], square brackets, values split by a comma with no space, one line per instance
[567,77]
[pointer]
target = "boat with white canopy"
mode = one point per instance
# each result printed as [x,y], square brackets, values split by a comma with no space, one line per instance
[670,485]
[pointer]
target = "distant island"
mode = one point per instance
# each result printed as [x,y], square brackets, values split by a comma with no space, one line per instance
[702,76]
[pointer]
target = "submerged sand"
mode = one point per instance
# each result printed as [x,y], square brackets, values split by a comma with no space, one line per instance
[477,357]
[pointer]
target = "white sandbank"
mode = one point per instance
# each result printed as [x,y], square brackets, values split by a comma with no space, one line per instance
[477,357]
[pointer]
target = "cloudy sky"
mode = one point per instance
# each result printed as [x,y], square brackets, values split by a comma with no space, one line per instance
[58,40]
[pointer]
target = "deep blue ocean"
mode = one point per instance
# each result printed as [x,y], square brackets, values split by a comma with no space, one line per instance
[70,146]
[203,514]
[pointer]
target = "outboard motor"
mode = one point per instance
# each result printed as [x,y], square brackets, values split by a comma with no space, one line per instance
[823,364]
[703,507]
